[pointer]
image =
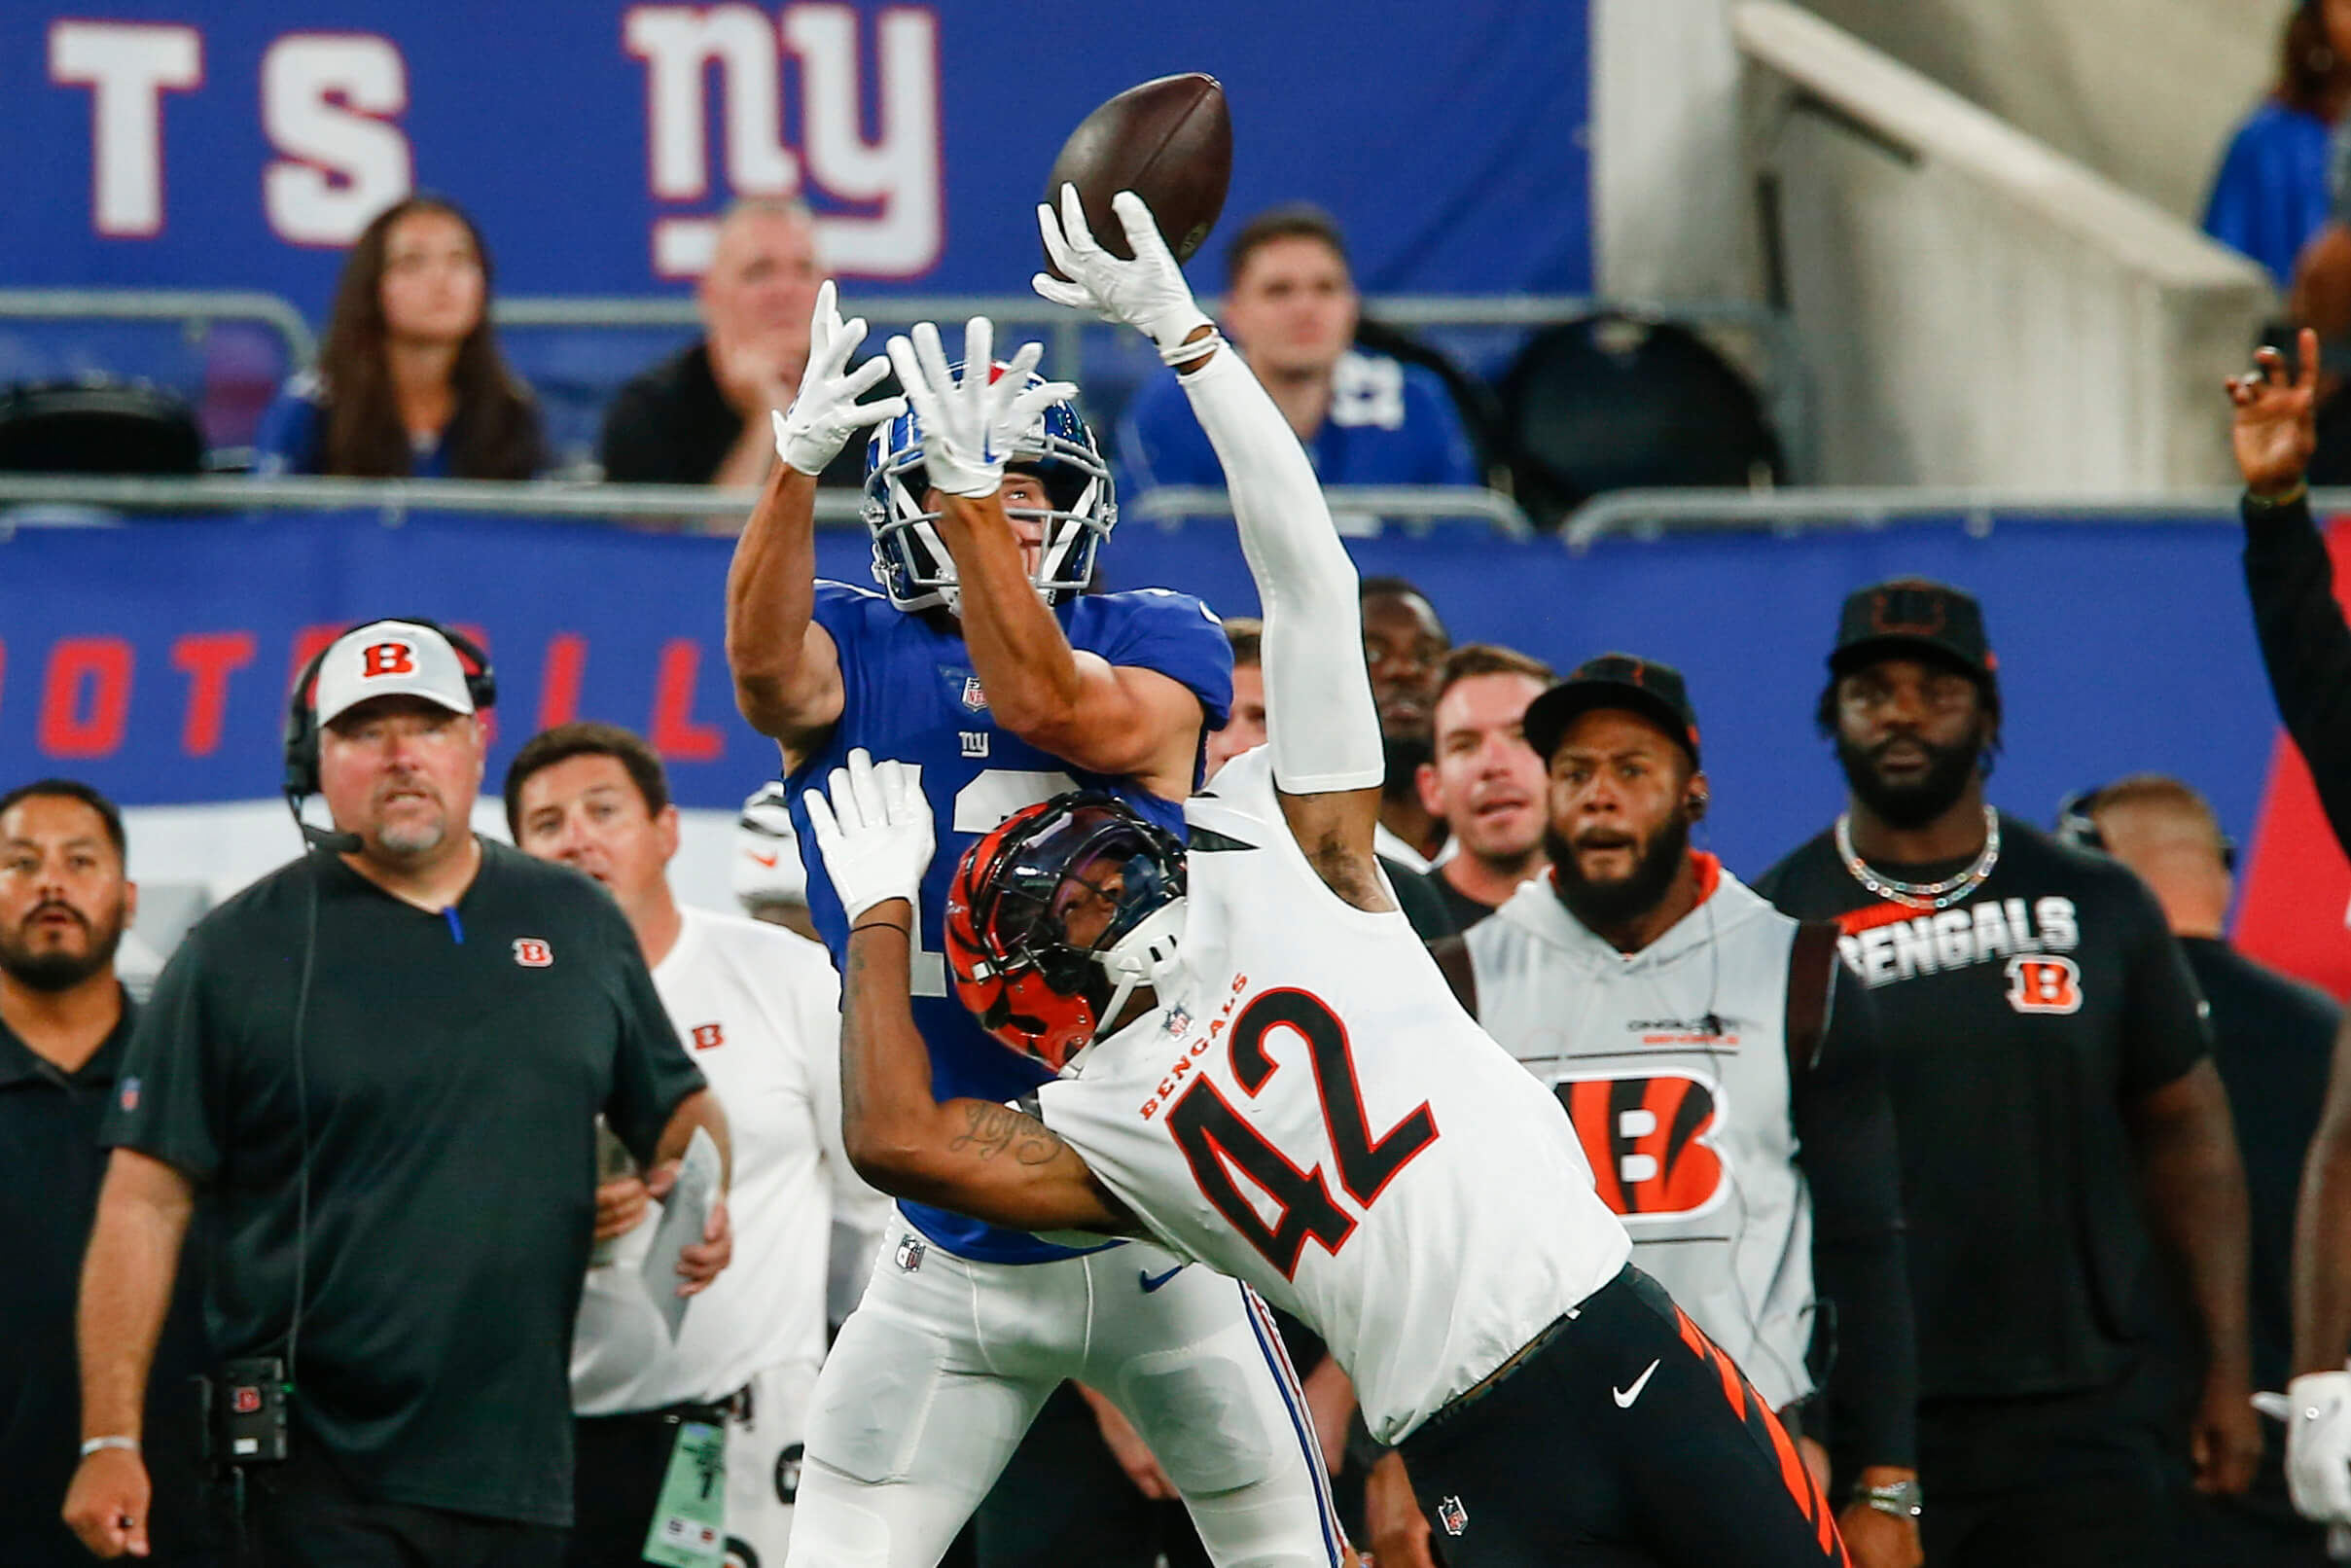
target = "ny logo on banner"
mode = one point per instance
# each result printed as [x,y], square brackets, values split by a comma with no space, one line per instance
[893,181]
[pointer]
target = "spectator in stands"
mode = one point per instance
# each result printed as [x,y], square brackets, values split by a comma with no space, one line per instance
[64,1023]
[701,416]
[2272,194]
[411,382]
[2271,1039]
[1485,781]
[1405,643]
[1290,308]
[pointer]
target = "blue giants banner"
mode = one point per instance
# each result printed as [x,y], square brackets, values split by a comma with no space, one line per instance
[243,146]
[152,659]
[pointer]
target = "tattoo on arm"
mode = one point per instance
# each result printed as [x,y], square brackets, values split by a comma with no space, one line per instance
[994,1130]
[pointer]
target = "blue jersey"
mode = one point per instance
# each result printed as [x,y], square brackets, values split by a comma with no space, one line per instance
[292,437]
[1390,423]
[908,691]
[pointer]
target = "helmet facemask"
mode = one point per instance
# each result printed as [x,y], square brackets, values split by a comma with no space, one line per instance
[911,562]
[1058,918]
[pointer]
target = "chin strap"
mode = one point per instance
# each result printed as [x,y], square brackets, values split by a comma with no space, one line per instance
[1147,955]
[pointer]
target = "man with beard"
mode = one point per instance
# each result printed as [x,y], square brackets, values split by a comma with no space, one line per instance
[65,1022]
[2054,1092]
[1405,645]
[1723,1074]
[383,1064]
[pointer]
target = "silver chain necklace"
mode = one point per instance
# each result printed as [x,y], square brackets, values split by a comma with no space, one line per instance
[1921,895]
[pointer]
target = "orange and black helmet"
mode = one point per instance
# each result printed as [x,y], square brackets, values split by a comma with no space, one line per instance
[1037,904]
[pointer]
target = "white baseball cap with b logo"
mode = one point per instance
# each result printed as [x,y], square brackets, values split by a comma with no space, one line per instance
[389,659]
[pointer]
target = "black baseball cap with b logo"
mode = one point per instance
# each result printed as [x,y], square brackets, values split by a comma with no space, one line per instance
[1911,615]
[1643,685]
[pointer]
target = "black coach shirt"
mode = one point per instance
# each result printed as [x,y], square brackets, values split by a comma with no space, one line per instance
[454,1065]
[51,1167]
[2017,1028]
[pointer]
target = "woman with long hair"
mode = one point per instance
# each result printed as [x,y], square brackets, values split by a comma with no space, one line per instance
[2272,194]
[410,381]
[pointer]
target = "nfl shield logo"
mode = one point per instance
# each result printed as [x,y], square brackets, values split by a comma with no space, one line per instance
[910,1254]
[1453,1515]
[1178,1020]
[974,698]
[129,1097]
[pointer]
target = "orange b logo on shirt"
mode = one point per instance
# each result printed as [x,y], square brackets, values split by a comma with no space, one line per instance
[1645,1136]
[709,1036]
[2045,984]
[532,953]
[388,659]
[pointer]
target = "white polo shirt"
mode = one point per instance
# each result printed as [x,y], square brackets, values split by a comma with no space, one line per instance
[758,1008]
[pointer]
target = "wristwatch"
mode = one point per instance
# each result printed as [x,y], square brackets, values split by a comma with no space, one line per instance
[1904,1499]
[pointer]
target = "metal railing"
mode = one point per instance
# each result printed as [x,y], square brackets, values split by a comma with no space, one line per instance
[1413,506]
[197,307]
[1416,507]
[1653,514]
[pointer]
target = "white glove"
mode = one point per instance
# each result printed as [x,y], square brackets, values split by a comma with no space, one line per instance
[826,413]
[2318,1446]
[1148,294]
[875,833]
[969,428]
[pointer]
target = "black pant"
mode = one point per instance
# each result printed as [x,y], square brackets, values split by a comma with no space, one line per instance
[618,1465]
[1625,1439]
[1062,1499]
[2049,1478]
[303,1514]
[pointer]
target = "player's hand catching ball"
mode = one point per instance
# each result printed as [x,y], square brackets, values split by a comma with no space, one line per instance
[826,413]
[874,832]
[2276,427]
[970,427]
[1148,294]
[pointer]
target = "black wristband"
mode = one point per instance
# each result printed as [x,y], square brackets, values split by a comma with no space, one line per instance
[907,932]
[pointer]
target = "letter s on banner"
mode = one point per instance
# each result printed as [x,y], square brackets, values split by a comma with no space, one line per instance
[326,102]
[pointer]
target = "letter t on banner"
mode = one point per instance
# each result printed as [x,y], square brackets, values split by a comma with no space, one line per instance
[127,66]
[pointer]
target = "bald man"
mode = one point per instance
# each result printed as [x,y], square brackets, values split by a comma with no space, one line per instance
[701,416]
[2272,1040]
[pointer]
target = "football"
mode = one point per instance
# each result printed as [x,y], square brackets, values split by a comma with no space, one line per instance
[1170,142]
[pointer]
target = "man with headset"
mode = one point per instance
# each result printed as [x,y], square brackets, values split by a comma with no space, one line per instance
[382,1065]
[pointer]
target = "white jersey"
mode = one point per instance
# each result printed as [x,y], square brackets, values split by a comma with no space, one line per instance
[1312,1111]
[758,1008]
[1673,1063]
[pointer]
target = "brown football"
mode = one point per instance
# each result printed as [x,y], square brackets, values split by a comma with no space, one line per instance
[1170,142]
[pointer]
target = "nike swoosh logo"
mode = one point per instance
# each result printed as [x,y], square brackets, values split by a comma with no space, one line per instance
[767,861]
[1625,1396]
[1151,1282]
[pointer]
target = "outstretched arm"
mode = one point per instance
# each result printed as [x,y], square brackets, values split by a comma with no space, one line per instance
[787,671]
[2305,646]
[1320,719]
[977,1158]
[1134,722]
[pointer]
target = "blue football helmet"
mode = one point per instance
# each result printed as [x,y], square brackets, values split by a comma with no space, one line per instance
[912,563]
